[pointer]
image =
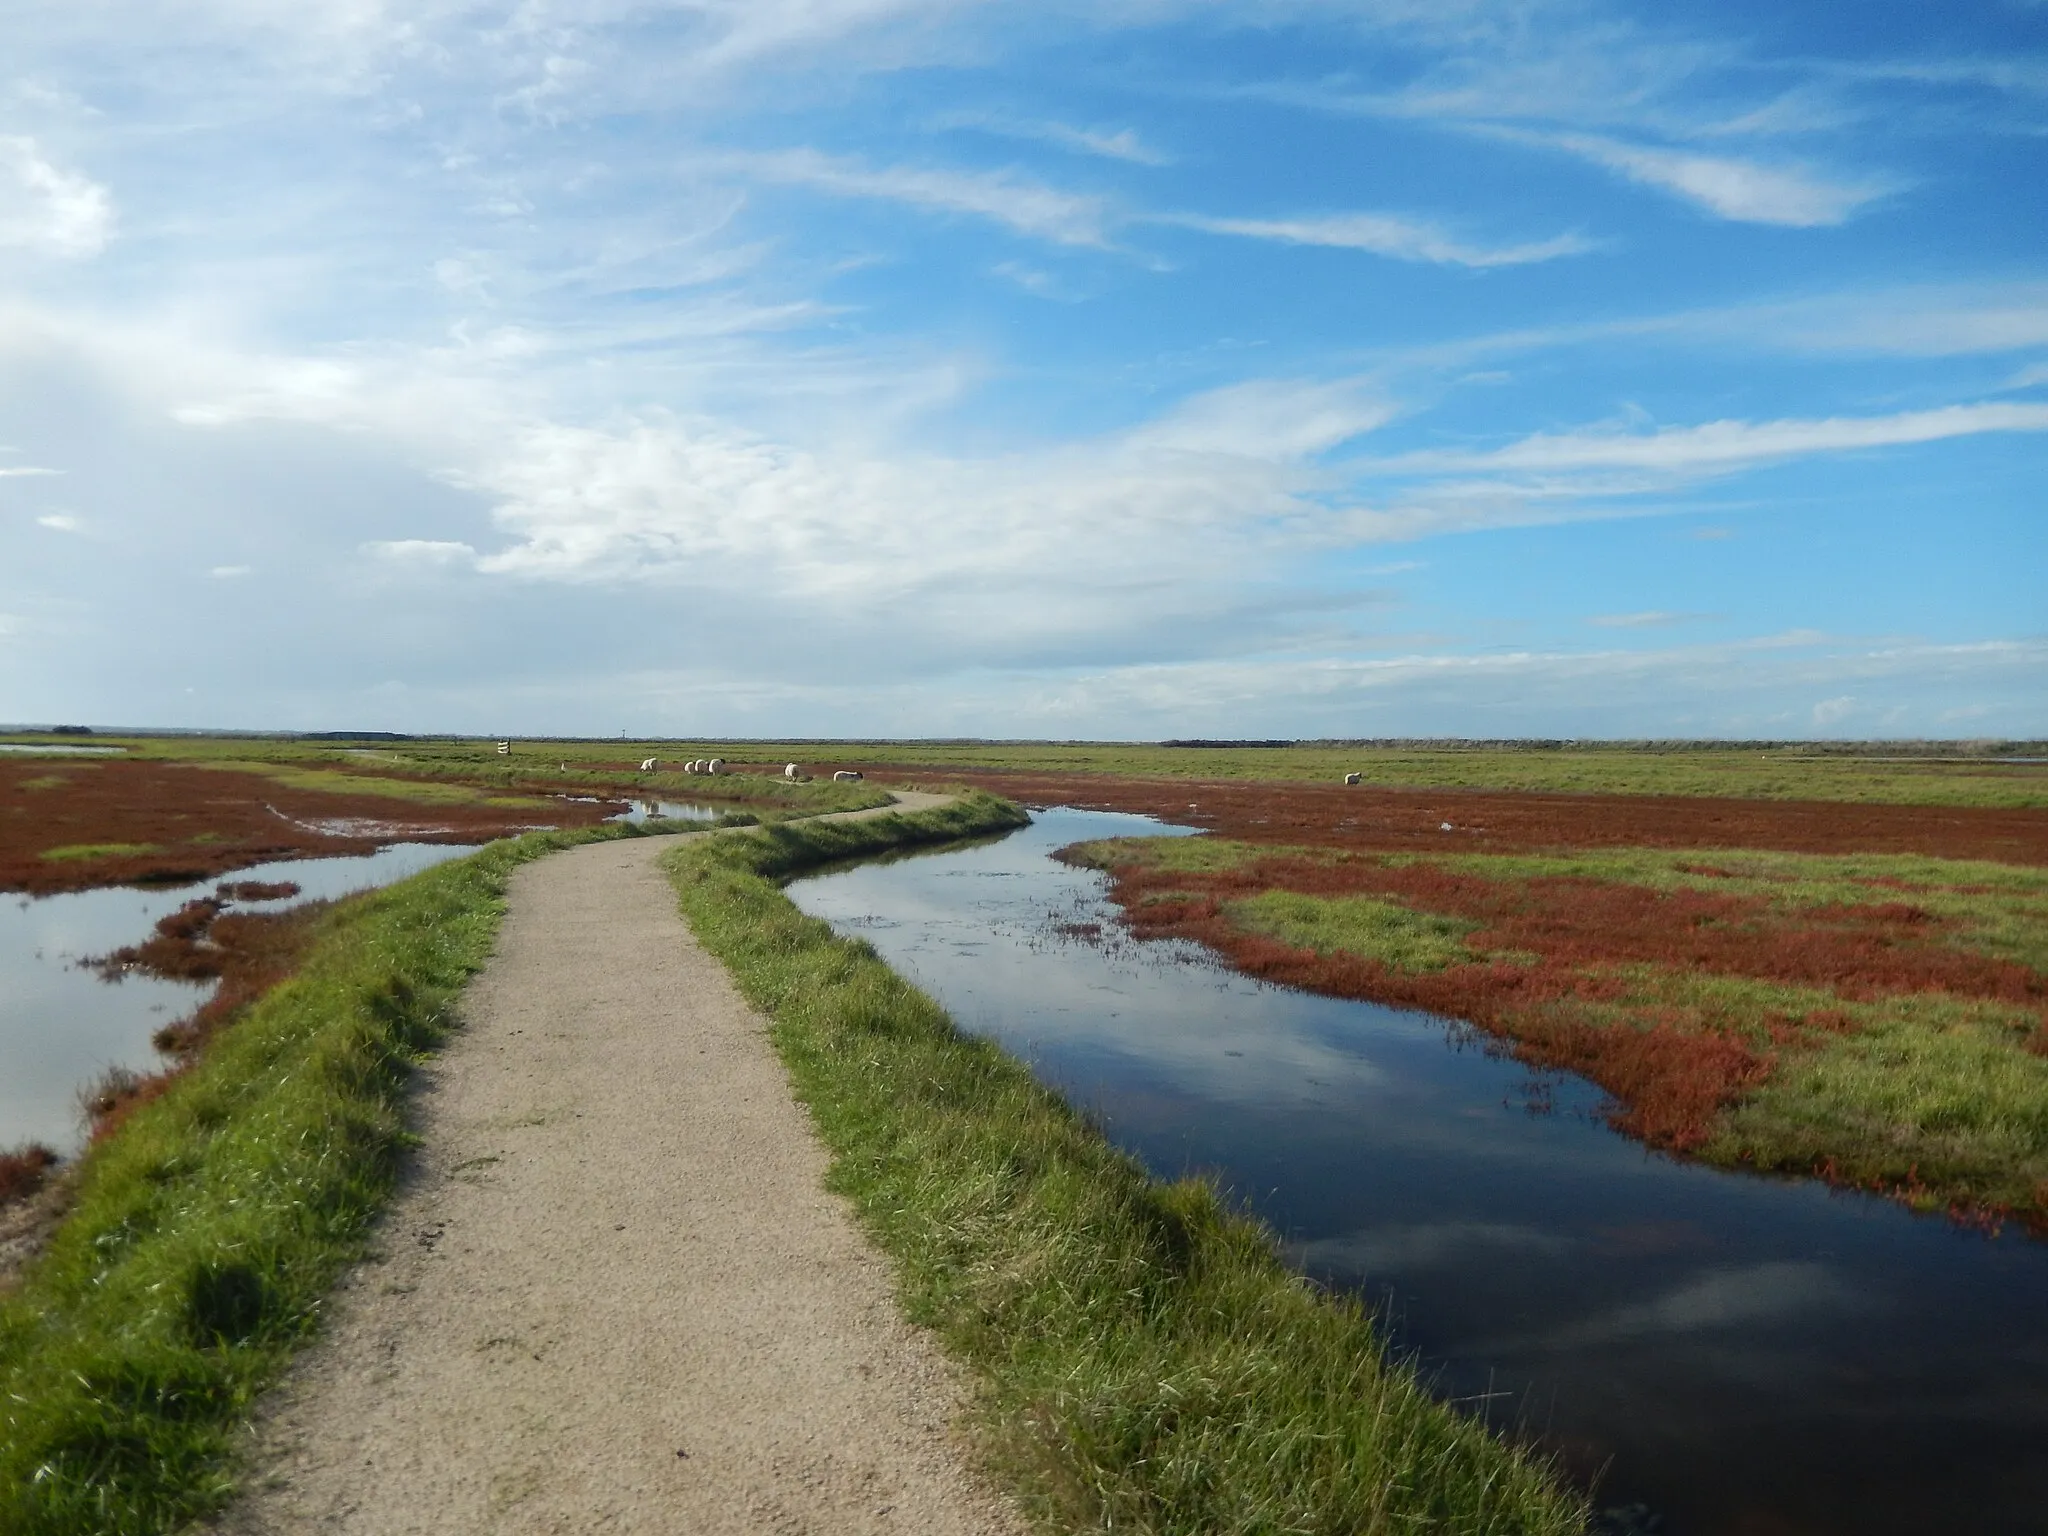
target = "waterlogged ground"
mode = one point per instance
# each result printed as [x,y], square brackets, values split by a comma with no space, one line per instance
[62,1025]
[1747,1357]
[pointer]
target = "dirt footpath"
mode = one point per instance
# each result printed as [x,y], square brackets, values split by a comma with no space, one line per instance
[615,1295]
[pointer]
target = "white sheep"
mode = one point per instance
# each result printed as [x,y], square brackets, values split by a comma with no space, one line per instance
[846,776]
[1352,778]
[791,772]
[716,765]
[647,766]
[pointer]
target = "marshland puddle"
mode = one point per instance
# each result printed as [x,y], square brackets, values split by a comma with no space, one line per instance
[62,1026]
[1734,1354]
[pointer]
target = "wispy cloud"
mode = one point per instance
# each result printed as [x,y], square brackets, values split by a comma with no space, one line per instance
[1023,204]
[1124,144]
[61,522]
[47,209]
[1655,618]
[1383,234]
[1719,447]
[430,553]
[1270,419]
[1746,191]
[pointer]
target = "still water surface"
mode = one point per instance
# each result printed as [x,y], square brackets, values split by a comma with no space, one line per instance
[61,1026]
[1746,1356]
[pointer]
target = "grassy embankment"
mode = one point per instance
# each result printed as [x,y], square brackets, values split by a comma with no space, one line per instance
[1145,1363]
[1881,1021]
[204,1235]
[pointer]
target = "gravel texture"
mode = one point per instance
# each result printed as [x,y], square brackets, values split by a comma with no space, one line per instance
[614,1294]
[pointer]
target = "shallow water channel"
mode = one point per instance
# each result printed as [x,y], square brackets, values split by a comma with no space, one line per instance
[61,1025]
[1745,1356]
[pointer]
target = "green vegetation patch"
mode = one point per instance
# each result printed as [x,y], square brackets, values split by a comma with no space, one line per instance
[206,1232]
[1202,855]
[1361,925]
[1927,1096]
[1145,1363]
[98,851]
[333,781]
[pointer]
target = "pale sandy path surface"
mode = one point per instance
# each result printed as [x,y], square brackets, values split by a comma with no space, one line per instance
[616,1247]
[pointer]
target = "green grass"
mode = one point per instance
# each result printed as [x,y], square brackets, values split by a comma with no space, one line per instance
[1144,1361]
[1384,930]
[470,772]
[1910,773]
[334,782]
[207,1231]
[72,851]
[1877,776]
[1928,1097]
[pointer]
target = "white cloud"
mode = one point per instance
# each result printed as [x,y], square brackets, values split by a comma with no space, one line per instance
[1722,447]
[1269,419]
[1906,321]
[49,210]
[1655,618]
[1119,144]
[1746,191]
[230,572]
[25,471]
[1383,234]
[1832,712]
[61,522]
[1006,197]
[430,553]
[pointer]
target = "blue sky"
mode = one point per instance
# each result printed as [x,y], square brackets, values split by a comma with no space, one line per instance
[1144,368]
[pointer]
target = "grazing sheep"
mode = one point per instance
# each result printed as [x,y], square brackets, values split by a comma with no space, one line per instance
[846,776]
[1446,827]
[716,765]
[647,766]
[792,772]
[1352,778]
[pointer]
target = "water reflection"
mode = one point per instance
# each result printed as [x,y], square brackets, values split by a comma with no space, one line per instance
[1743,1355]
[668,810]
[61,1025]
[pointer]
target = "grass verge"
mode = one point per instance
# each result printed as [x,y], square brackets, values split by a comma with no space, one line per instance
[205,1235]
[1144,1361]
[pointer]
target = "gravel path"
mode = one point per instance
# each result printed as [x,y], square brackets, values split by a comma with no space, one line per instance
[614,1295]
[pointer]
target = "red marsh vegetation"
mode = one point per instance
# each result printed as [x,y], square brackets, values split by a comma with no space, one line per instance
[1377,819]
[1878,1031]
[67,825]
[1553,962]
